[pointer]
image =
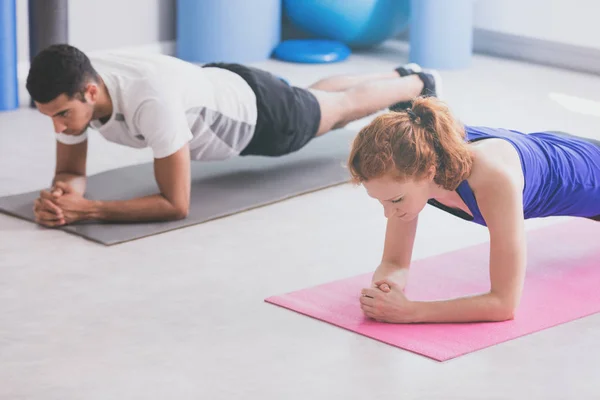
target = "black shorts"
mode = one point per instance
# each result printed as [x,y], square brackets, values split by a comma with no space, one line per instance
[288,117]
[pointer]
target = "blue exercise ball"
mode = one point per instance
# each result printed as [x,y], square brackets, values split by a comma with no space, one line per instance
[357,23]
[315,51]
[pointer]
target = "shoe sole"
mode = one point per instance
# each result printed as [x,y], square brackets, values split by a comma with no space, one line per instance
[437,78]
[414,67]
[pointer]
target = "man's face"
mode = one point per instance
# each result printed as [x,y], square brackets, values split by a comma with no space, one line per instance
[69,116]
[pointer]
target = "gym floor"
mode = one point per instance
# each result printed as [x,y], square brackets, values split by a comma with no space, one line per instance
[181,315]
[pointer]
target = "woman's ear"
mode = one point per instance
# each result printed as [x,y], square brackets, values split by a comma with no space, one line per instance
[431,173]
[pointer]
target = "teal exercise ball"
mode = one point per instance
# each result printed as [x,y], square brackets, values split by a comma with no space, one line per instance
[357,23]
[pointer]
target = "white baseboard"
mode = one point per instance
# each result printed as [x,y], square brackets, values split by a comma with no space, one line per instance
[531,50]
[166,47]
[537,51]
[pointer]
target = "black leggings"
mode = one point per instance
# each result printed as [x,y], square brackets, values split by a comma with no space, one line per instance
[592,141]
[568,135]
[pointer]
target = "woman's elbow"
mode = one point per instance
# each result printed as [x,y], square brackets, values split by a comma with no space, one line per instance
[504,314]
[504,310]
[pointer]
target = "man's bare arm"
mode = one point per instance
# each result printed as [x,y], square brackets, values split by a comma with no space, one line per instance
[70,170]
[71,165]
[173,177]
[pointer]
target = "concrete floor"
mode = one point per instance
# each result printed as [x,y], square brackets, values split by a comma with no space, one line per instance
[181,315]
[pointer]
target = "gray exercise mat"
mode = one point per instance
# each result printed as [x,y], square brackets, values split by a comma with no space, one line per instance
[218,188]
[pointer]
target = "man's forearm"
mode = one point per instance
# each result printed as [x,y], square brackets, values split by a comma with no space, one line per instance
[484,307]
[150,208]
[77,182]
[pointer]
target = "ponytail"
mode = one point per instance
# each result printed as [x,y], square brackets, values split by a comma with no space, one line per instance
[407,144]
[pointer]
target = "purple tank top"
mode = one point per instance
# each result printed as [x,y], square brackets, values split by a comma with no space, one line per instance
[562,174]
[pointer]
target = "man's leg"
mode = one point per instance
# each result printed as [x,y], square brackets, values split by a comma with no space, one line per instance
[344,82]
[343,107]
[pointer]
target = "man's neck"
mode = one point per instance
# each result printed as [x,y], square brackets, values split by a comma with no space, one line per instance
[104,107]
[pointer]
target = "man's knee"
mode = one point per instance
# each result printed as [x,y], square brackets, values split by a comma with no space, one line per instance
[346,112]
[340,124]
[336,110]
[341,108]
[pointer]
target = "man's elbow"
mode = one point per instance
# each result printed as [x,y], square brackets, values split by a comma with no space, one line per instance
[177,211]
[181,212]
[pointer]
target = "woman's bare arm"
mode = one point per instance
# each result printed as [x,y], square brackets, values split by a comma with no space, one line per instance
[497,182]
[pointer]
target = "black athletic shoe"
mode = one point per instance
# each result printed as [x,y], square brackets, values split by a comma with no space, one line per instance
[432,84]
[409,69]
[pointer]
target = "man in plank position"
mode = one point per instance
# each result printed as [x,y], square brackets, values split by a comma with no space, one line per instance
[184,113]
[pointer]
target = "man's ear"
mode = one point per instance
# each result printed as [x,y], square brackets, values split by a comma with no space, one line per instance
[91,92]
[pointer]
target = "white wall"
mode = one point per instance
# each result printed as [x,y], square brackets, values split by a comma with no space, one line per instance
[108,24]
[573,22]
[96,25]
[22,31]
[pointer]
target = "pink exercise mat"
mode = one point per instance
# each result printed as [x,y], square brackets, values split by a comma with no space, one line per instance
[562,284]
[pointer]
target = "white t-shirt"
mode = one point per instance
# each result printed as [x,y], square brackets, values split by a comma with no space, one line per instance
[163,102]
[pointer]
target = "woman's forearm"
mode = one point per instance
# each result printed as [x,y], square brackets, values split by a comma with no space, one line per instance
[397,273]
[479,308]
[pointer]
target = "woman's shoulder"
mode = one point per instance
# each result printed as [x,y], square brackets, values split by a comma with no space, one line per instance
[494,161]
[496,180]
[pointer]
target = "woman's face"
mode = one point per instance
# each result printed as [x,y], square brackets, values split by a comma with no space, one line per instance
[402,199]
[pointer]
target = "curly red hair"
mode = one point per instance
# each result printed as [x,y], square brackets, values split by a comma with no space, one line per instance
[407,144]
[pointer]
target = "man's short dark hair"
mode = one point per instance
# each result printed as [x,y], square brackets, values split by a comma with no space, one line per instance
[59,69]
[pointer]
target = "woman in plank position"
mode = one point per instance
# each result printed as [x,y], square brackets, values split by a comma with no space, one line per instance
[493,177]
